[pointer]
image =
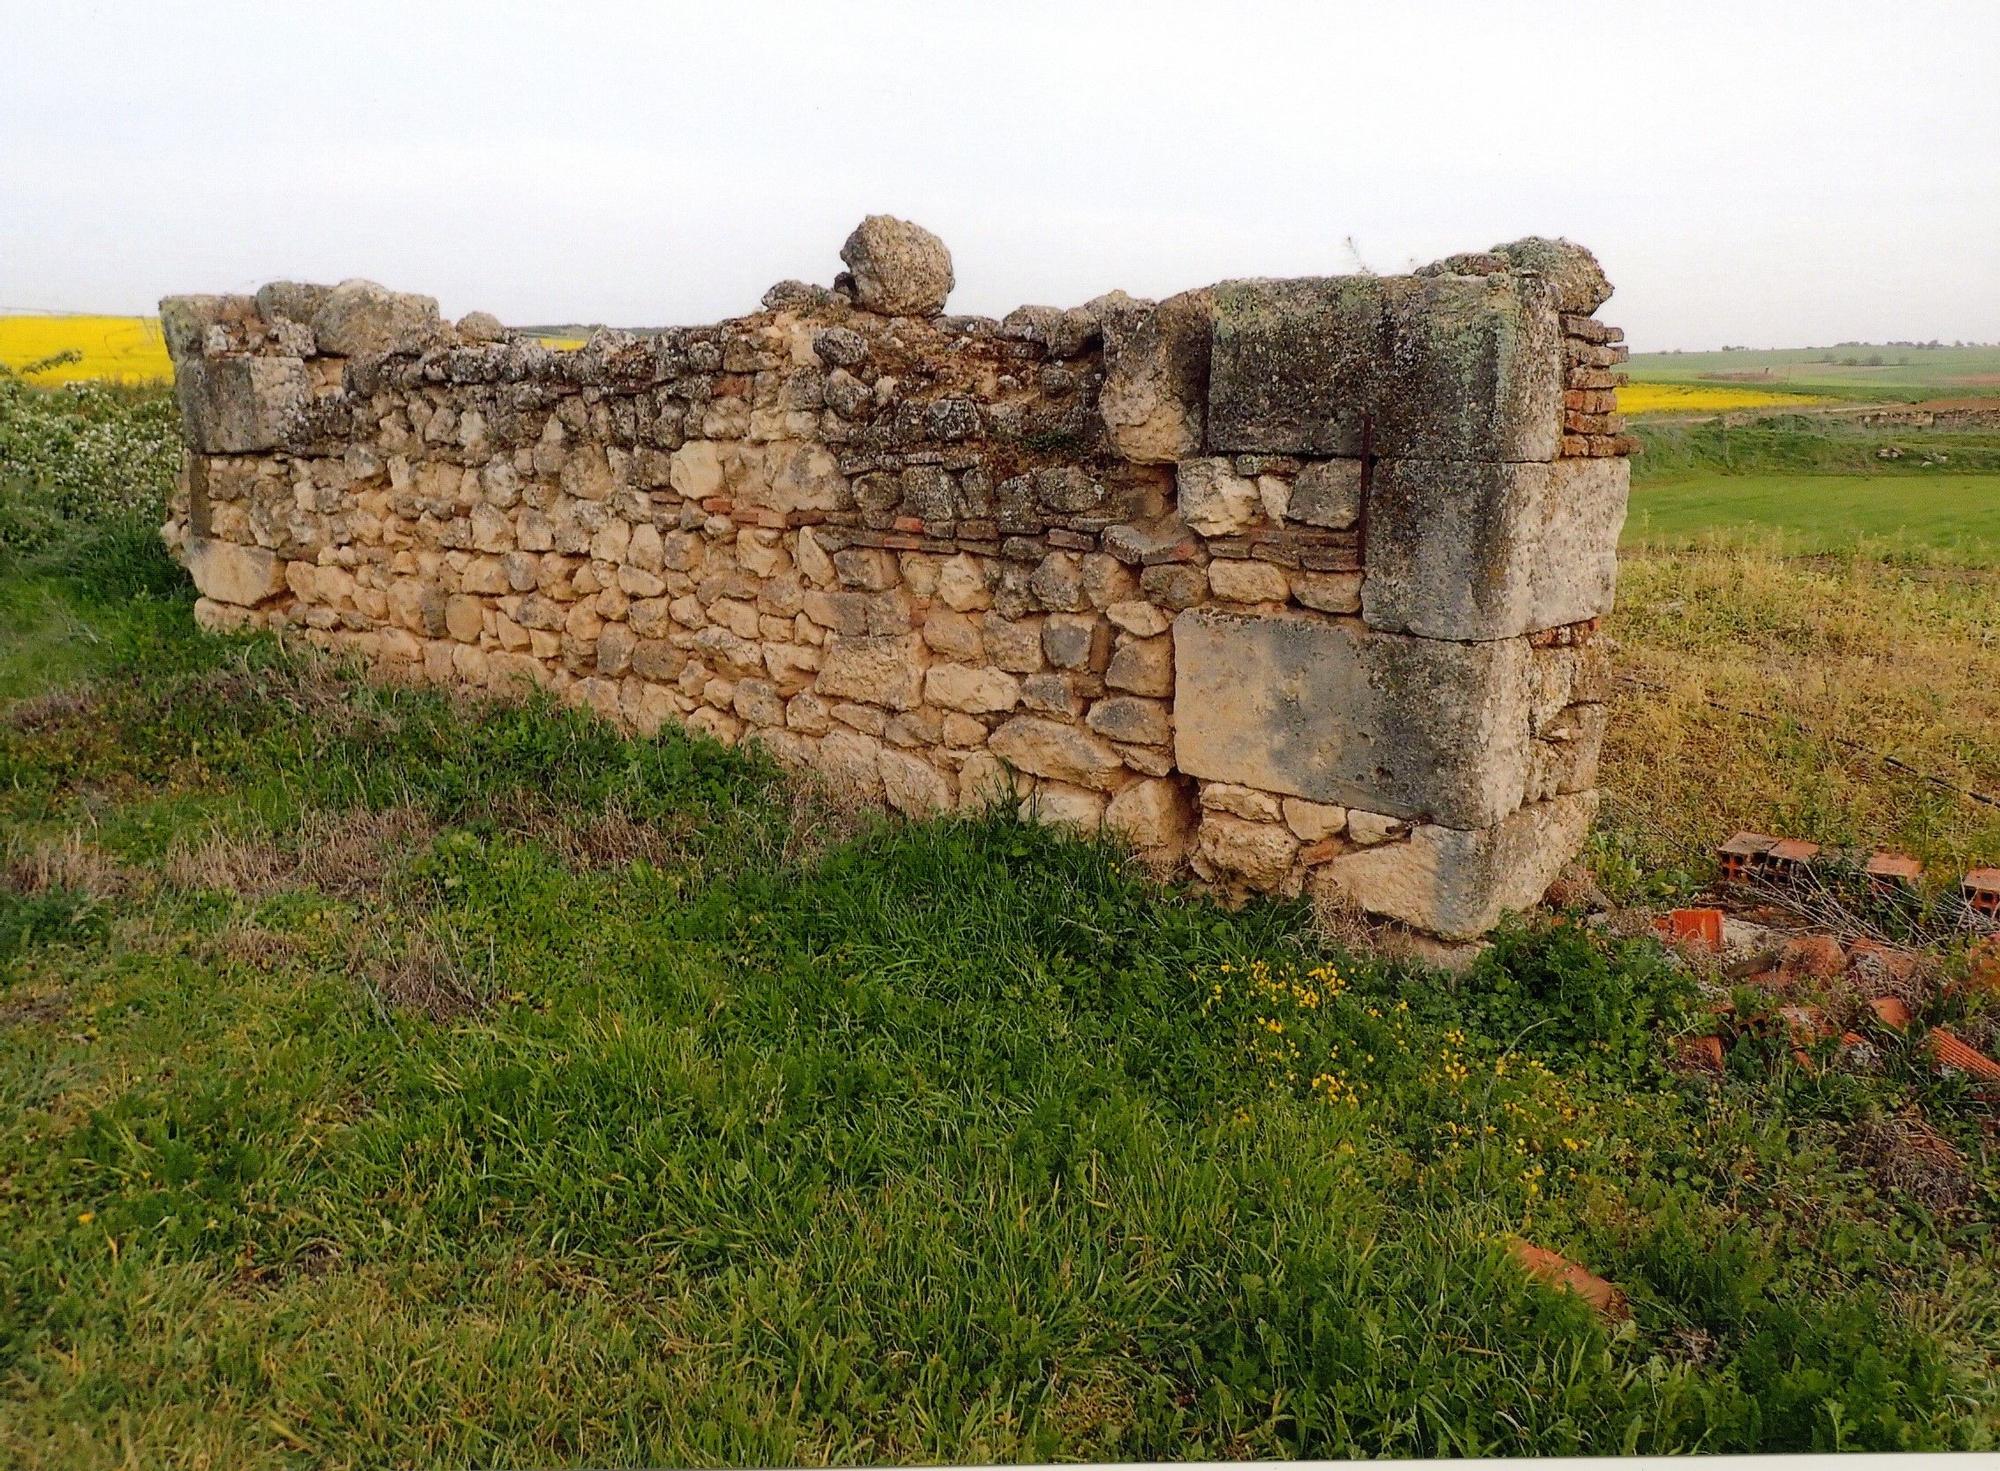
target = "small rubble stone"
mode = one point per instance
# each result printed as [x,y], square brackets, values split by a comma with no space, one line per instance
[1214,499]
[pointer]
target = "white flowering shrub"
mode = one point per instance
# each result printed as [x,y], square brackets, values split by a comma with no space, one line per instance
[82,454]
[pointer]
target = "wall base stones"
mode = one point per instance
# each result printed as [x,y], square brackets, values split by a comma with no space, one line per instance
[1292,586]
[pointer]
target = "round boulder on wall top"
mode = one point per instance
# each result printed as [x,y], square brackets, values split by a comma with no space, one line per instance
[899,269]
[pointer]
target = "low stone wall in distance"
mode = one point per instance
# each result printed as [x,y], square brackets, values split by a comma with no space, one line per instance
[1293,582]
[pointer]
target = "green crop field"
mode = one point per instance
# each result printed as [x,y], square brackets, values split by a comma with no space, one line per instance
[1853,371]
[1944,516]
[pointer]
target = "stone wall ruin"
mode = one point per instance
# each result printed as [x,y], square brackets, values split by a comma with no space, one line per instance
[1293,582]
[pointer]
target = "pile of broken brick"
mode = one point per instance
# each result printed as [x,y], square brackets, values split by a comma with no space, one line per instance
[1875,986]
[1757,857]
[1794,967]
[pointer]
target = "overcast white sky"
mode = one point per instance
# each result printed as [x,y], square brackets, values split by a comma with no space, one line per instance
[1757,171]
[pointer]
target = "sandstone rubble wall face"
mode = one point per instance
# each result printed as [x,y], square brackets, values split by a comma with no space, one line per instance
[1290,583]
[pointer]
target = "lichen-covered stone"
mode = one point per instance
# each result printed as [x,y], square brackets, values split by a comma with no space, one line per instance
[1444,367]
[358,317]
[1156,377]
[239,405]
[1323,710]
[297,301]
[900,269]
[1476,551]
[1326,493]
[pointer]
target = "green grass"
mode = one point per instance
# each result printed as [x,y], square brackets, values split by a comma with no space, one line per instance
[390,1078]
[1778,443]
[1937,515]
[598,1101]
[1904,373]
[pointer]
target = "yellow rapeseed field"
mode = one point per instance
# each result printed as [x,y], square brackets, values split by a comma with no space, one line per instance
[1704,398]
[113,349]
[121,349]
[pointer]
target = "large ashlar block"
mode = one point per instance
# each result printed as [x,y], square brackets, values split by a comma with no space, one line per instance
[239,405]
[1156,377]
[1457,882]
[185,320]
[1492,551]
[1447,367]
[1337,713]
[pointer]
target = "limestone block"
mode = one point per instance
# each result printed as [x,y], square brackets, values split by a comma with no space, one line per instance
[1143,666]
[1456,882]
[962,585]
[755,701]
[1329,592]
[1369,828]
[1065,753]
[358,317]
[1446,367]
[1326,493]
[1132,719]
[983,782]
[1245,580]
[240,576]
[1076,641]
[971,689]
[1156,377]
[1107,582]
[464,618]
[1261,854]
[1138,618]
[900,269]
[878,669]
[803,477]
[1013,644]
[1153,815]
[1335,713]
[953,635]
[1174,587]
[1248,802]
[1312,821]
[1058,804]
[238,405]
[1214,499]
[1482,551]
[695,470]
[1052,694]
[912,785]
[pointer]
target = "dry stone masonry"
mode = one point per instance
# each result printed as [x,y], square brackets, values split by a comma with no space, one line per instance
[1293,582]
